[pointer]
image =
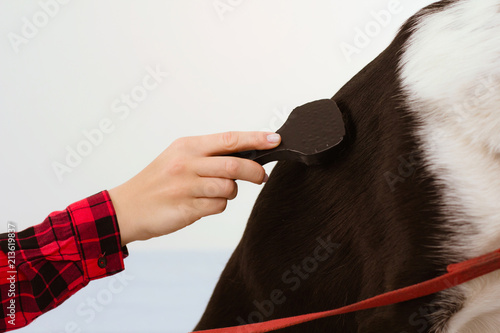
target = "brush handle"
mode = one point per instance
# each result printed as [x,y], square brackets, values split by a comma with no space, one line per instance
[262,156]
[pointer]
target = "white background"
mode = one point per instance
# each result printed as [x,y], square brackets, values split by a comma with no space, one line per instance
[242,69]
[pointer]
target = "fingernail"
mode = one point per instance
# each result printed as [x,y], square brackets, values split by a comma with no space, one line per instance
[273,138]
[266,178]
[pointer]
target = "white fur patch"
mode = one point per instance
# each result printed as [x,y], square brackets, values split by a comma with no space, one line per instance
[450,71]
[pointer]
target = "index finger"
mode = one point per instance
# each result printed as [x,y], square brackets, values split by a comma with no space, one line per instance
[231,142]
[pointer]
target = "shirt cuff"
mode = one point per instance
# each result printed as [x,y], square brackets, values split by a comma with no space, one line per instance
[97,236]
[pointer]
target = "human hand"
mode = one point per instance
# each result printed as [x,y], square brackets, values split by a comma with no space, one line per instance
[187,181]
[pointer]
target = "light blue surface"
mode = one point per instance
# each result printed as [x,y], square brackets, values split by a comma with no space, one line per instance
[162,291]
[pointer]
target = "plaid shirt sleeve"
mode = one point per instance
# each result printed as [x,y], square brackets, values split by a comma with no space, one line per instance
[44,265]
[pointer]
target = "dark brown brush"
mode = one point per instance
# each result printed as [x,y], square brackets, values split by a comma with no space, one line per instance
[310,135]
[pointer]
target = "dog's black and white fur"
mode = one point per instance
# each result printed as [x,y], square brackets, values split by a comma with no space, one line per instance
[417,187]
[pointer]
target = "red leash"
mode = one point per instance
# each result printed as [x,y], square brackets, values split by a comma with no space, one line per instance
[457,274]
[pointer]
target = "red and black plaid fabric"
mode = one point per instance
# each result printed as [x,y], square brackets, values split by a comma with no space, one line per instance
[55,259]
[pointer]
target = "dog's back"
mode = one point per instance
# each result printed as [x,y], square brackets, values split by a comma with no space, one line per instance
[399,203]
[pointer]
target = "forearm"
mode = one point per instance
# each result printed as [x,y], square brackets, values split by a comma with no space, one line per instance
[55,259]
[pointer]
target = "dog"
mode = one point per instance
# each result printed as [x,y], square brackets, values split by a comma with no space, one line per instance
[415,188]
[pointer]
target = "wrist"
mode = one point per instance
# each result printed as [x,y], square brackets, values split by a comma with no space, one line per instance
[119,200]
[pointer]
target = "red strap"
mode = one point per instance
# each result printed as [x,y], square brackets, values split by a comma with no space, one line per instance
[457,274]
